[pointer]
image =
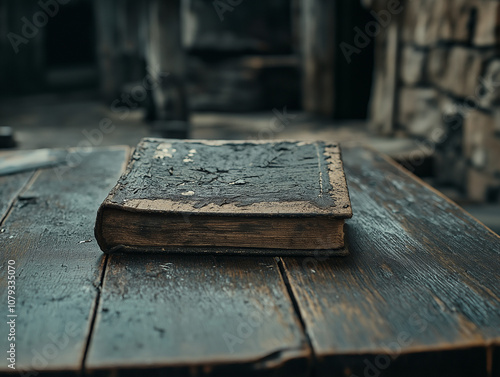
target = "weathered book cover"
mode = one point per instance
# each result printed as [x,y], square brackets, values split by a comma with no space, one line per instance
[279,197]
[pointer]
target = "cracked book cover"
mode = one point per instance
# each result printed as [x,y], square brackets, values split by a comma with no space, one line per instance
[235,197]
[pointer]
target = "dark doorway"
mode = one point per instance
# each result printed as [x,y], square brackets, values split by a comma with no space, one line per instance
[70,46]
[353,79]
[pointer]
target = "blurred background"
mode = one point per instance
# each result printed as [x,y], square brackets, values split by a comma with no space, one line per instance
[416,79]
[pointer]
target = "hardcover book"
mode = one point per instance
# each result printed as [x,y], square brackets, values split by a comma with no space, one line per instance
[239,197]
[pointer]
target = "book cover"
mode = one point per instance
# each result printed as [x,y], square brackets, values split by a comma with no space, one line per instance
[183,195]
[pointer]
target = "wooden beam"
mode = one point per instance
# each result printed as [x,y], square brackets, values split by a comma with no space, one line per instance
[107,48]
[383,103]
[318,46]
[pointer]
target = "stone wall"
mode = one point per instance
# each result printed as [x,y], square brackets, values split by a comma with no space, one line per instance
[443,87]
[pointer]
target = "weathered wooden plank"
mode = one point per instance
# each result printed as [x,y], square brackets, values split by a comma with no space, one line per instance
[22,160]
[10,187]
[418,295]
[211,315]
[49,236]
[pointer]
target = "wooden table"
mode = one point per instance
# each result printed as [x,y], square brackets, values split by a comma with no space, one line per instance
[419,294]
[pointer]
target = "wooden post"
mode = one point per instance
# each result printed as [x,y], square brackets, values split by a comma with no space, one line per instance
[165,62]
[384,100]
[318,45]
[107,49]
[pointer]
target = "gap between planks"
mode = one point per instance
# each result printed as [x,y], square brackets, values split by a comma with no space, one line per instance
[29,183]
[25,185]
[104,265]
[296,308]
[95,309]
[21,191]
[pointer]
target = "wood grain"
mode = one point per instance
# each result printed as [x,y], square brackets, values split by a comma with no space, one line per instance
[197,315]
[10,187]
[418,296]
[419,293]
[135,231]
[49,235]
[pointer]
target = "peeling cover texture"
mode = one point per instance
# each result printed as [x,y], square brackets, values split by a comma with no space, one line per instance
[238,173]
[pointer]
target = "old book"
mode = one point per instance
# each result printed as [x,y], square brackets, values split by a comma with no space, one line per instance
[280,197]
